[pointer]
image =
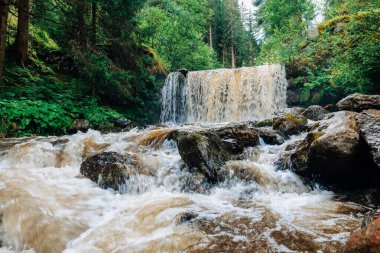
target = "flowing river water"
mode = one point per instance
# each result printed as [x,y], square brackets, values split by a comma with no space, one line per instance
[47,206]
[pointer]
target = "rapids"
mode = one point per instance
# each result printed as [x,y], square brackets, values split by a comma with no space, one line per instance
[47,206]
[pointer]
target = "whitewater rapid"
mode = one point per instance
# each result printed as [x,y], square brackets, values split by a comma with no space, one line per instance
[47,206]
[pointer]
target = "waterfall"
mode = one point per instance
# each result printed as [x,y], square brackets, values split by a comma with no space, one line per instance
[224,95]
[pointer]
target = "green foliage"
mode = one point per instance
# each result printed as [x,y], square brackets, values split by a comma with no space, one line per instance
[176,30]
[344,58]
[20,117]
[285,24]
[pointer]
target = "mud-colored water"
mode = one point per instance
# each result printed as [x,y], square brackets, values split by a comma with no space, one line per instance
[47,206]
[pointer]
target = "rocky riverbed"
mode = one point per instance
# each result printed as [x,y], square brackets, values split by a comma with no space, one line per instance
[302,180]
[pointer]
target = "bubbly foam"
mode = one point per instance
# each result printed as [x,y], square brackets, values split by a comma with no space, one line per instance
[47,206]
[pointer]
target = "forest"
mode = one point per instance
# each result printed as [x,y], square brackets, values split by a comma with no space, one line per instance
[63,60]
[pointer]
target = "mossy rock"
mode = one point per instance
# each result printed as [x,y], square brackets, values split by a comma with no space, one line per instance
[290,124]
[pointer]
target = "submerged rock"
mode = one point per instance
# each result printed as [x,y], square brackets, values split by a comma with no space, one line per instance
[315,112]
[369,124]
[110,169]
[333,154]
[366,240]
[359,102]
[290,124]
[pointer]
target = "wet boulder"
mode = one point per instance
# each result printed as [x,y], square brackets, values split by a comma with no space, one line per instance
[290,124]
[359,102]
[315,112]
[238,137]
[203,151]
[369,124]
[109,169]
[333,154]
[366,240]
[262,123]
[270,136]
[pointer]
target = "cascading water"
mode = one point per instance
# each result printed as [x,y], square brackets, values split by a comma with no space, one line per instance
[47,206]
[224,95]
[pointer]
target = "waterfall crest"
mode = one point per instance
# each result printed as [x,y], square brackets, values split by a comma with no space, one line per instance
[224,95]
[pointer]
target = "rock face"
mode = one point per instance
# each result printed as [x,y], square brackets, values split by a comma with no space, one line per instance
[369,124]
[366,240]
[359,102]
[333,154]
[315,112]
[290,124]
[108,170]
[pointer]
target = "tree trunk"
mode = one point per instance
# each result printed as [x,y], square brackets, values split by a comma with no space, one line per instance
[93,22]
[4,7]
[22,35]
[224,55]
[80,27]
[233,59]
[210,33]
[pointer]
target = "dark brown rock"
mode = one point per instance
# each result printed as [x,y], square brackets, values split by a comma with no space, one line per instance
[202,150]
[366,240]
[270,136]
[110,169]
[238,137]
[369,124]
[315,112]
[334,156]
[359,102]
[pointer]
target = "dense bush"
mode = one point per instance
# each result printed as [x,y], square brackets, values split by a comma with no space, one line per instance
[343,59]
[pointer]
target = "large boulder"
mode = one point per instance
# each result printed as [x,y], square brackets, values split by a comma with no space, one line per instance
[369,124]
[110,169]
[315,112]
[290,124]
[366,240]
[359,102]
[334,154]
[207,151]
[203,151]
[238,137]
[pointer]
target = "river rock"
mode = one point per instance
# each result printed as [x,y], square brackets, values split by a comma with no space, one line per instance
[333,154]
[315,112]
[369,124]
[366,240]
[238,137]
[359,102]
[270,136]
[202,150]
[109,169]
[79,125]
[290,124]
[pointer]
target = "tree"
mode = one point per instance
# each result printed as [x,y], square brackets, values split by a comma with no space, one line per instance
[178,31]
[4,7]
[22,35]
